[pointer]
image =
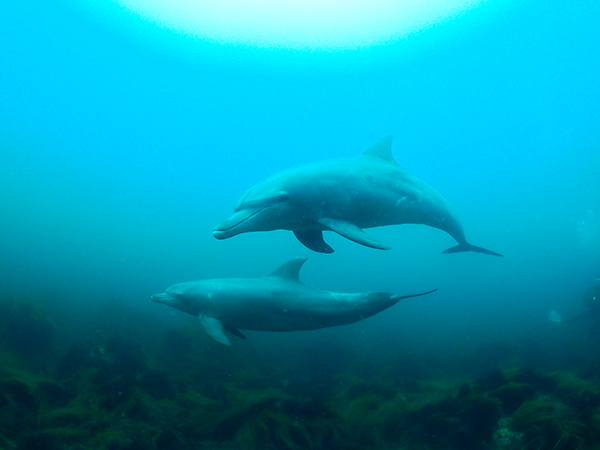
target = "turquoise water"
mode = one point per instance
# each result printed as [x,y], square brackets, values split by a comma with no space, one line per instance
[122,145]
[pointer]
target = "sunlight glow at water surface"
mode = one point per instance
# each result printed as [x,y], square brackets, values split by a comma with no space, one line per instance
[307,24]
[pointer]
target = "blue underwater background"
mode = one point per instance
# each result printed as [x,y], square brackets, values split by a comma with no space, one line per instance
[122,145]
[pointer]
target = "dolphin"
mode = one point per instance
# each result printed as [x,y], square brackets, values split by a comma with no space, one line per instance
[276,302]
[344,196]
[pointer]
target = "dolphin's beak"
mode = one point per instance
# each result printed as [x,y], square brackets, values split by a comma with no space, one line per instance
[230,227]
[161,298]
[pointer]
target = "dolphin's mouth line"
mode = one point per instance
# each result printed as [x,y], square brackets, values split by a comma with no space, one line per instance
[227,226]
[160,298]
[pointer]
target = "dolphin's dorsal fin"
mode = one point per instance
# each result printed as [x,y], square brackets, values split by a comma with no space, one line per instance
[381,149]
[289,270]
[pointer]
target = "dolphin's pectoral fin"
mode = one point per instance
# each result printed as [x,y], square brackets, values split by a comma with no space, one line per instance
[313,239]
[214,328]
[353,232]
[235,332]
[466,247]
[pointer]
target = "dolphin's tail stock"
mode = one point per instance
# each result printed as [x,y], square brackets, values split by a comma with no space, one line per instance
[466,247]
[378,301]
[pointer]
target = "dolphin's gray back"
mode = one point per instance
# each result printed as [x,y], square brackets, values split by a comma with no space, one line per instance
[387,194]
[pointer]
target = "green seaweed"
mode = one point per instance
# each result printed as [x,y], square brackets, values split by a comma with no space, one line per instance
[548,424]
[576,390]
[375,417]
[271,419]
[6,443]
[466,420]
[180,391]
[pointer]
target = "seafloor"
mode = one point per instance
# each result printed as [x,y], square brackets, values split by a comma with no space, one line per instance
[120,382]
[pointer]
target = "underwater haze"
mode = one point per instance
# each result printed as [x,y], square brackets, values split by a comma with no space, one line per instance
[123,144]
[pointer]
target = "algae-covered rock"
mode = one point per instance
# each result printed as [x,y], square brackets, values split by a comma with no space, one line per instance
[541,383]
[512,395]
[462,422]
[505,438]
[39,440]
[19,394]
[54,394]
[271,419]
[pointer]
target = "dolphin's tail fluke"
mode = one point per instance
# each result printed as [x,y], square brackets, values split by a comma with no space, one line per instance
[466,247]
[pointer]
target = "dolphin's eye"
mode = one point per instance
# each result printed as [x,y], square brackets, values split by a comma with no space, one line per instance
[283,197]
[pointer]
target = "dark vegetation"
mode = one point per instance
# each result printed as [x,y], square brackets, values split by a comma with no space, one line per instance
[123,389]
